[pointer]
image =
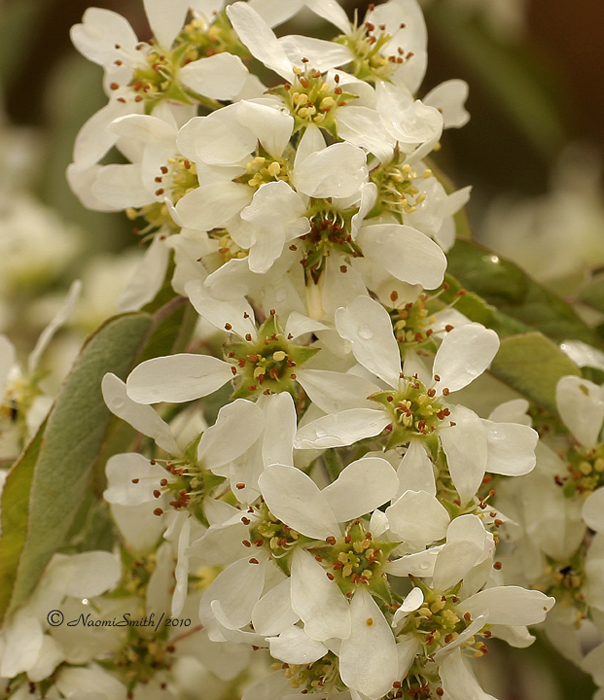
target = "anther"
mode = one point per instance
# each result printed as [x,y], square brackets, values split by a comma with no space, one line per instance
[158,511]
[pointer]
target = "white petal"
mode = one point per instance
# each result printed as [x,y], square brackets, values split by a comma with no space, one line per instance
[23,644]
[294,646]
[509,605]
[337,171]
[343,428]
[238,588]
[449,98]
[237,312]
[407,254]
[177,378]
[418,519]
[147,277]
[220,77]
[131,479]
[513,411]
[273,613]
[465,445]
[7,360]
[89,574]
[295,499]
[271,127]
[593,510]
[312,141]
[582,354]
[98,34]
[71,681]
[142,418]
[321,54]
[64,312]
[94,139]
[465,354]
[361,487]
[336,391]
[298,324]
[454,562]
[121,186]
[219,138]
[581,407]
[275,12]
[510,448]
[368,327]
[362,127]
[81,181]
[419,564]
[147,129]
[212,204]
[416,471]
[368,658]
[458,682]
[280,430]
[408,121]
[259,39]
[241,419]
[332,12]
[317,600]
[166,19]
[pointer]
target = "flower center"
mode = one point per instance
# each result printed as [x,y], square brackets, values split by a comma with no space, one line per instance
[262,169]
[585,471]
[268,364]
[319,676]
[368,44]
[356,560]
[397,192]
[415,410]
[269,533]
[411,324]
[312,100]
[329,231]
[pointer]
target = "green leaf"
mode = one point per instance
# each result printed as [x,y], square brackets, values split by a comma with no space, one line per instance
[48,483]
[593,293]
[507,287]
[532,364]
[477,309]
[14,512]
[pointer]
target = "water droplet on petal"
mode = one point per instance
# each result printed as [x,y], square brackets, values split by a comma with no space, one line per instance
[424,565]
[365,332]
[280,294]
[117,404]
[320,433]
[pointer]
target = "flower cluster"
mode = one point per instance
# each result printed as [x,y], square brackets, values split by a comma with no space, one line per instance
[338,511]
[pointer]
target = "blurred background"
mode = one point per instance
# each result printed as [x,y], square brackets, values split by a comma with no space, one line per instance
[532,151]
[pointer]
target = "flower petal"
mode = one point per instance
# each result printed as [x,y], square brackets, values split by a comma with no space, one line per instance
[593,510]
[361,487]
[241,418]
[280,430]
[510,448]
[147,277]
[418,519]
[294,646]
[317,600]
[237,312]
[337,171]
[141,417]
[295,499]
[273,613]
[449,98]
[177,378]
[343,428]
[259,38]
[368,657]
[407,254]
[458,682]
[581,407]
[416,471]
[509,605]
[272,127]
[464,354]
[368,327]
[465,445]
[220,77]
[98,34]
[336,391]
